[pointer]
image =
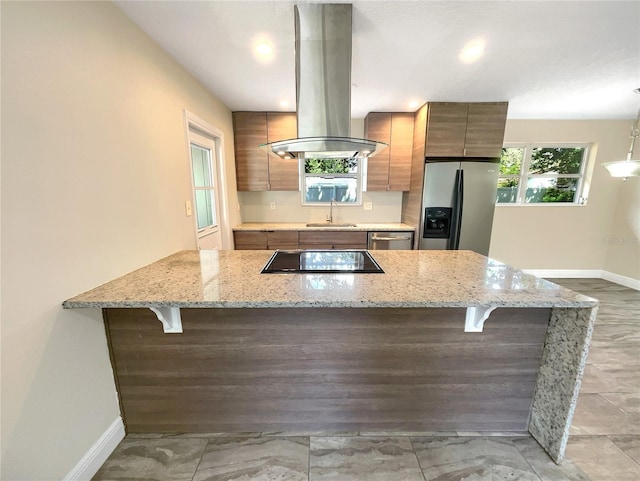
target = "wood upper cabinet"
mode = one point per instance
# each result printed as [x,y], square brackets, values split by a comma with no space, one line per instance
[283,173]
[252,164]
[255,169]
[485,129]
[391,168]
[465,129]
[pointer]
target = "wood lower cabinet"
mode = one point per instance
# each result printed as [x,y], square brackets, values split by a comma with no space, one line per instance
[282,239]
[256,170]
[250,240]
[261,240]
[391,168]
[465,129]
[293,239]
[332,240]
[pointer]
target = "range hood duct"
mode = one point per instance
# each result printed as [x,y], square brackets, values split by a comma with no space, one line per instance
[323,87]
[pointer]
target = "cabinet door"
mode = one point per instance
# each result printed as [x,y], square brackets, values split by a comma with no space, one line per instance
[446,129]
[250,240]
[377,126]
[485,129]
[401,150]
[283,173]
[252,163]
[282,239]
[336,239]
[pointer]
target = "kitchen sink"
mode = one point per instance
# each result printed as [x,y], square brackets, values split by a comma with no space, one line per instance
[330,224]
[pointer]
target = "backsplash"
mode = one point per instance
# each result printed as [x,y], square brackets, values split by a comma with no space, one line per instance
[255,207]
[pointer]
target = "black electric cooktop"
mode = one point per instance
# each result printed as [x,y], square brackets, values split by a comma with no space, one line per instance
[322,262]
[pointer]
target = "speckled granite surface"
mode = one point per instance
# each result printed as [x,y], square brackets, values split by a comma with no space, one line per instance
[411,279]
[262,226]
[561,369]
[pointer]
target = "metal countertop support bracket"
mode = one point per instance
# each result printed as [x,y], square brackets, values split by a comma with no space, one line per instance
[170,318]
[474,322]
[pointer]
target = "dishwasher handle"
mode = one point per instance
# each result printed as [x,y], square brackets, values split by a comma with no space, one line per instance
[376,238]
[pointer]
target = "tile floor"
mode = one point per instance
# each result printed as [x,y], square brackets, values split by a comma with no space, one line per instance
[604,443]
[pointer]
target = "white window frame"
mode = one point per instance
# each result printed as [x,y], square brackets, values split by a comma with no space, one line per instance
[357,175]
[524,175]
[207,145]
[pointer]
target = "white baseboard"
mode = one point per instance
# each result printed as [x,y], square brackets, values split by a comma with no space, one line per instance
[566,273]
[90,463]
[622,280]
[584,274]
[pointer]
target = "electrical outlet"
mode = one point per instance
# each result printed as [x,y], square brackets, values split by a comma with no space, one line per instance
[368,205]
[187,208]
[272,205]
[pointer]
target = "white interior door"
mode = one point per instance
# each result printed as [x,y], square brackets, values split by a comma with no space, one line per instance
[206,192]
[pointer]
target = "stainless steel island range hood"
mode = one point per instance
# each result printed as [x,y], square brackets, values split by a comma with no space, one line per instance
[323,87]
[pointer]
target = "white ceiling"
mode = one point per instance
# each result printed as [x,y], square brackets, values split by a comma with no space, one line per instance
[549,59]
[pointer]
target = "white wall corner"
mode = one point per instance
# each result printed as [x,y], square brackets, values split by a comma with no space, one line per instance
[622,280]
[91,462]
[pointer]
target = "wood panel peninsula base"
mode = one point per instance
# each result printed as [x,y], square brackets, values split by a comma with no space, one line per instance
[345,352]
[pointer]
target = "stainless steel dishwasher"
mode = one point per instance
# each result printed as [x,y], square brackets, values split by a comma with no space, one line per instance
[390,240]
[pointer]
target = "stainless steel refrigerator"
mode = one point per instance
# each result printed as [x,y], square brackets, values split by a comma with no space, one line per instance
[458,200]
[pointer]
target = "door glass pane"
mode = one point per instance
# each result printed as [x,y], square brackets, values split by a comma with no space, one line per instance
[507,190]
[201,166]
[556,160]
[205,210]
[551,190]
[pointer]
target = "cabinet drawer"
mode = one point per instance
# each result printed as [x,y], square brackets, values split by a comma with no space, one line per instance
[282,237]
[250,240]
[308,247]
[333,238]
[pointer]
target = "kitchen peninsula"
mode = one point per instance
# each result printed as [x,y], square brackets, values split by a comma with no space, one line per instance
[408,350]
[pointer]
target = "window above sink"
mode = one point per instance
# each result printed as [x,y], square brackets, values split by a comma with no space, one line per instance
[327,179]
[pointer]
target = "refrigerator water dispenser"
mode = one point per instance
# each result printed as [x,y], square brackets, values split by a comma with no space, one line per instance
[437,224]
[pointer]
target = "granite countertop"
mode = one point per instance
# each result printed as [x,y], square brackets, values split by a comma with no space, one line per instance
[411,279]
[362,226]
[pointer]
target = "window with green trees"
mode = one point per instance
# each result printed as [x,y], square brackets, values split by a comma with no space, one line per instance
[336,179]
[541,174]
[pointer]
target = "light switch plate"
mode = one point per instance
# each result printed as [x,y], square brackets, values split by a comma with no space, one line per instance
[187,208]
[368,205]
[272,205]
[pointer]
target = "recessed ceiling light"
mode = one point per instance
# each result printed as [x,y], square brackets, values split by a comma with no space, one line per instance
[263,50]
[472,50]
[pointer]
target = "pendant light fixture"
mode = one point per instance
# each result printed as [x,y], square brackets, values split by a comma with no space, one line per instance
[628,167]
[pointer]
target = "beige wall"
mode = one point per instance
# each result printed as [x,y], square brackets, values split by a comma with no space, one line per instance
[255,208]
[573,237]
[623,251]
[95,173]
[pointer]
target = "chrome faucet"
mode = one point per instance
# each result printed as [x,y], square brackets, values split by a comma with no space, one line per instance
[331,210]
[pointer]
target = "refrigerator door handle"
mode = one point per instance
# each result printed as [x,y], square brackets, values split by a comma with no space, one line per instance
[456,214]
